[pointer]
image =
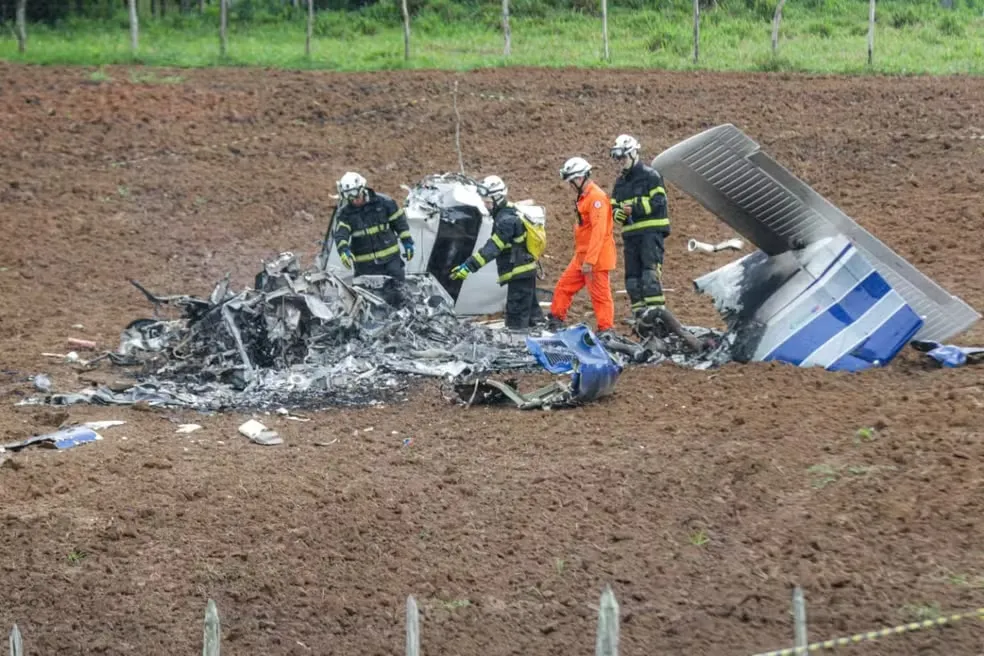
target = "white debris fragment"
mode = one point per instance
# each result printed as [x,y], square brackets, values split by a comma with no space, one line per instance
[260,434]
[188,428]
[102,425]
[727,245]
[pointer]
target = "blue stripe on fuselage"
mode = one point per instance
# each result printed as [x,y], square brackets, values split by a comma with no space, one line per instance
[798,346]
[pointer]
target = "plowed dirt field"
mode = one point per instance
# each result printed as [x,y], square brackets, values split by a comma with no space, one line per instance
[702,497]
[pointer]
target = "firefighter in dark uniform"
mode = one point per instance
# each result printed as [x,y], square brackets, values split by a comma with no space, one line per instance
[639,206]
[507,246]
[367,229]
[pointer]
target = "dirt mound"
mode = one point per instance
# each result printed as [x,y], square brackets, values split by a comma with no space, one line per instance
[703,497]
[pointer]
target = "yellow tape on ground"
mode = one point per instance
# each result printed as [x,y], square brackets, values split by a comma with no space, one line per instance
[874,635]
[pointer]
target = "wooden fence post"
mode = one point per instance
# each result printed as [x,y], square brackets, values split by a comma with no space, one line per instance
[696,31]
[310,28]
[213,631]
[413,627]
[871,32]
[775,26]
[604,26]
[16,643]
[20,19]
[134,27]
[607,642]
[799,620]
[505,28]
[406,29]
[223,20]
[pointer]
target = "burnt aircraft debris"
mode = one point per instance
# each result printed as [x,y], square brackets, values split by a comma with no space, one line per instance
[308,338]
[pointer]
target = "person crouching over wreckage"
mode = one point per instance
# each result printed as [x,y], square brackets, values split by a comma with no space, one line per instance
[367,228]
[514,262]
[594,251]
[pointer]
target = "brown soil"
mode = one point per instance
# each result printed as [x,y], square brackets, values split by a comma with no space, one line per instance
[114,547]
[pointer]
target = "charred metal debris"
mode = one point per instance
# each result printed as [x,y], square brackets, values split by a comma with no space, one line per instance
[311,339]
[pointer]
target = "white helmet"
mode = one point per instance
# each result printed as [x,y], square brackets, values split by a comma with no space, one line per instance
[350,185]
[574,167]
[625,145]
[493,187]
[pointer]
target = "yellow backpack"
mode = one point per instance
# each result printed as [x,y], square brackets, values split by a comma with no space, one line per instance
[536,234]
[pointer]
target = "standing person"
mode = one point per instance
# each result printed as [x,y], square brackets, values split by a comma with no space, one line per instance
[594,250]
[513,261]
[367,229]
[639,201]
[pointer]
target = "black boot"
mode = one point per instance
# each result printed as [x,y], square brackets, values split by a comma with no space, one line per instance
[554,324]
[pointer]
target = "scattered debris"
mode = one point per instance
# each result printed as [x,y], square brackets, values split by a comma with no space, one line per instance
[283,412]
[727,245]
[65,438]
[42,383]
[83,343]
[316,337]
[576,351]
[260,434]
[949,355]
[188,428]
[103,425]
[71,357]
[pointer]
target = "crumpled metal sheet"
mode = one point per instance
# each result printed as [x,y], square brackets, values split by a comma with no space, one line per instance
[307,338]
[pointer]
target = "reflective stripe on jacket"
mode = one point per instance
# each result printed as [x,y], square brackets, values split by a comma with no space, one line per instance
[371,231]
[507,246]
[642,187]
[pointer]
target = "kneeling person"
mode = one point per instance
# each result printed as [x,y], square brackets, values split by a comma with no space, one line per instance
[516,266]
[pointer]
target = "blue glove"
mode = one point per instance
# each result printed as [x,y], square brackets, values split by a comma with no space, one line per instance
[408,249]
[461,271]
[346,257]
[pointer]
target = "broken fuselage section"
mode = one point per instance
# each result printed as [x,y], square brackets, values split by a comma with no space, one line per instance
[821,290]
[449,222]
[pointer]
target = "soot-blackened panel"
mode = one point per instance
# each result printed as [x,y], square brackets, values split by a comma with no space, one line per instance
[457,235]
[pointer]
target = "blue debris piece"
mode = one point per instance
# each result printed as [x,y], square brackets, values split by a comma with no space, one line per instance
[70,437]
[949,355]
[577,351]
[62,439]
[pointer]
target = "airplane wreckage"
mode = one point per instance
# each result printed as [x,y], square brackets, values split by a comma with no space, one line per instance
[819,291]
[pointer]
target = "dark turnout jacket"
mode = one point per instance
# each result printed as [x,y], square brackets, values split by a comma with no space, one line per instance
[507,246]
[642,187]
[371,231]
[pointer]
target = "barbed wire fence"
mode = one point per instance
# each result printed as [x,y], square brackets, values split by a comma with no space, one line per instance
[607,635]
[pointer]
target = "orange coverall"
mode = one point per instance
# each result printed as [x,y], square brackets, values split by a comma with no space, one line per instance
[594,244]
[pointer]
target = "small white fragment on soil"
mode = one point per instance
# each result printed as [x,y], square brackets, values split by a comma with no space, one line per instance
[188,428]
[260,434]
[102,425]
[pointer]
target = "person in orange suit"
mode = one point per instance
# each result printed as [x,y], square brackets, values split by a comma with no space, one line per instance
[594,251]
